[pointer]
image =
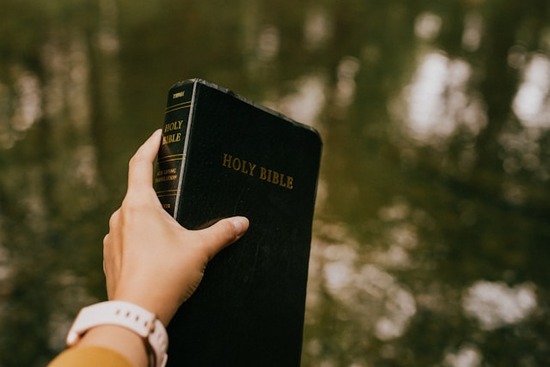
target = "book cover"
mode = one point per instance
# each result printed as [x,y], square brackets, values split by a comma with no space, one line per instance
[221,156]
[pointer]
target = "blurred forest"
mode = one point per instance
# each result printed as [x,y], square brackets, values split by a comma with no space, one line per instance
[432,226]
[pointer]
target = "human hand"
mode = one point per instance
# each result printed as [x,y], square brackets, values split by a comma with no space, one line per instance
[149,258]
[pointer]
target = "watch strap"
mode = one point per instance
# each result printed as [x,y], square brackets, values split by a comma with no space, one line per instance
[129,316]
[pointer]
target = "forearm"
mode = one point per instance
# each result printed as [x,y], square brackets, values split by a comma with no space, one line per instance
[121,340]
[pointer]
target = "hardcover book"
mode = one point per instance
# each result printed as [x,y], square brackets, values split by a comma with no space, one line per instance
[222,155]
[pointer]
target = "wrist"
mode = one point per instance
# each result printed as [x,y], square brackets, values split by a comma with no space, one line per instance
[123,315]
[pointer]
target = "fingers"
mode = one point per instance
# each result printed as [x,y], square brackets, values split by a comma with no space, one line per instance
[223,233]
[140,174]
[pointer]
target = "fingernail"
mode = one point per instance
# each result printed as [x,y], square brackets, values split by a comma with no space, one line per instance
[240,224]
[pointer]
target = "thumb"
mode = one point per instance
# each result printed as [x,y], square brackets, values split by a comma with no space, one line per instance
[222,234]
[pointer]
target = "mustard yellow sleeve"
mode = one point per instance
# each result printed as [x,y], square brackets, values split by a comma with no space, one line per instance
[90,357]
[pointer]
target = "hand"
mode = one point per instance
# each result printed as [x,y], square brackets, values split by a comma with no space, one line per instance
[149,258]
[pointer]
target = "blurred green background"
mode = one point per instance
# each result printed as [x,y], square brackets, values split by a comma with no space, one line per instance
[431,239]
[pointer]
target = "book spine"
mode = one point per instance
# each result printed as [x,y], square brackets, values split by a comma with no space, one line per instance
[171,157]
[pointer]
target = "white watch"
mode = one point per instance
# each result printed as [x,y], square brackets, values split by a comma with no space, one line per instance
[127,315]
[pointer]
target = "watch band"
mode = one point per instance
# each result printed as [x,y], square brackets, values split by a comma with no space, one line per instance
[129,316]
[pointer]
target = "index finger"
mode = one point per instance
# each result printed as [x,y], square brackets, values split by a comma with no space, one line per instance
[140,173]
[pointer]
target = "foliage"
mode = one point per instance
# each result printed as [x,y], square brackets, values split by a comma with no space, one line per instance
[433,196]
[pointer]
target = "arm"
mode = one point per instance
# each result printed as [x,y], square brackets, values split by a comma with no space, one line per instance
[149,259]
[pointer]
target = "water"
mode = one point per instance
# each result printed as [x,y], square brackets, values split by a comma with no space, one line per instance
[431,232]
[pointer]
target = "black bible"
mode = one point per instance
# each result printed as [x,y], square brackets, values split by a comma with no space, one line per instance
[222,155]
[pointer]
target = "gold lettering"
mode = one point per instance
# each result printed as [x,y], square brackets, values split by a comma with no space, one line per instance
[226,160]
[282,182]
[275,179]
[251,167]
[166,178]
[289,182]
[172,138]
[244,167]
[264,174]
[171,126]
[236,164]
[247,168]
[178,94]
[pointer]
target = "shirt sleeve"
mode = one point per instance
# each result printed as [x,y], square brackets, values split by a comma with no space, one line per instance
[92,356]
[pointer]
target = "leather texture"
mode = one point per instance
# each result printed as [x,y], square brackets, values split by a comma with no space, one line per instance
[242,159]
